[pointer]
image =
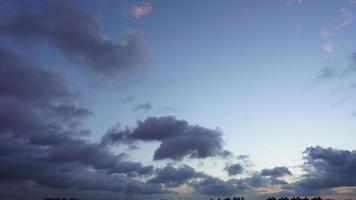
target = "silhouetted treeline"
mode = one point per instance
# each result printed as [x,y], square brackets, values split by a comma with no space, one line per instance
[296,198]
[229,198]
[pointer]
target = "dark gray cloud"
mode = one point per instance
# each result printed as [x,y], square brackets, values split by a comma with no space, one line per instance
[326,168]
[77,34]
[143,107]
[177,138]
[174,177]
[205,184]
[209,185]
[258,181]
[26,162]
[276,172]
[39,143]
[96,156]
[39,125]
[214,186]
[20,80]
[233,169]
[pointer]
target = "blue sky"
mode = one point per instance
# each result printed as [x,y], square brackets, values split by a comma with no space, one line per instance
[250,68]
[275,78]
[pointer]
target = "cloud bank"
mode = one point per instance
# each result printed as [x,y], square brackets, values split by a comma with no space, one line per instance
[40,125]
[174,177]
[326,168]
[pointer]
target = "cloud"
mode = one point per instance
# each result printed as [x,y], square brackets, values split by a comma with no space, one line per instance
[328,47]
[328,31]
[39,128]
[177,138]
[95,156]
[20,80]
[297,2]
[209,185]
[257,180]
[140,9]
[214,186]
[174,177]
[144,107]
[326,168]
[129,99]
[339,72]
[276,172]
[346,20]
[328,73]
[77,35]
[28,165]
[233,169]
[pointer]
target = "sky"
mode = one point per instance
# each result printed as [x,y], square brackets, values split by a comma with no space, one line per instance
[168,99]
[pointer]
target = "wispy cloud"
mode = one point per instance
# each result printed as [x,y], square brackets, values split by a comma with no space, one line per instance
[298,2]
[129,99]
[328,31]
[346,20]
[141,9]
[330,72]
[144,107]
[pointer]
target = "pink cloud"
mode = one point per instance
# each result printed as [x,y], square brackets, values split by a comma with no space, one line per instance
[140,9]
[347,19]
[328,47]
